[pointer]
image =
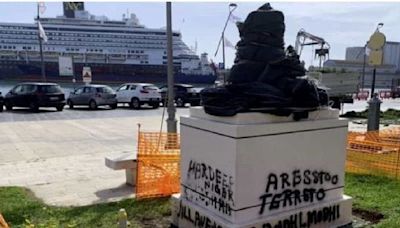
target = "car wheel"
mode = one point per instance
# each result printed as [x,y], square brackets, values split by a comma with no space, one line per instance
[155,105]
[135,103]
[34,106]
[60,108]
[92,105]
[70,104]
[195,103]
[9,107]
[114,106]
[1,108]
[179,102]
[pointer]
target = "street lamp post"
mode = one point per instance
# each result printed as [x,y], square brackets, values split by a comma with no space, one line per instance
[232,7]
[171,121]
[363,69]
[380,25]
[376,44]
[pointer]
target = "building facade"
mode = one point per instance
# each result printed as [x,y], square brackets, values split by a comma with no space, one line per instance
[354,62]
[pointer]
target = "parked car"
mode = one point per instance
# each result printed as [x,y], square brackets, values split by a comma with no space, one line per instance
[35,95]
[93,96]
[1,102]
[184,94]
[137,94]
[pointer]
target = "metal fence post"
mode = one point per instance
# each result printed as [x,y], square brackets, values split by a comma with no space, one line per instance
[374,108]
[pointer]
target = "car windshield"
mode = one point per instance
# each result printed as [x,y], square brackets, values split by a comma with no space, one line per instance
[50,89]
[150,88]
[105,89]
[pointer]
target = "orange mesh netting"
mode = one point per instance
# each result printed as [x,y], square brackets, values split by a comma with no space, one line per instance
[374,152]
[158,162]
[158,159]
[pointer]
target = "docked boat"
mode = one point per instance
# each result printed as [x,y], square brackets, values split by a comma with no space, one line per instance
[115,51]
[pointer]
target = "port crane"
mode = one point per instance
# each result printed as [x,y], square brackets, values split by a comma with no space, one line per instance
[304,38]
[341,85]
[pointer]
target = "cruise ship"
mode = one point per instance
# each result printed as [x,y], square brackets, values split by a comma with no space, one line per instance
[114,51]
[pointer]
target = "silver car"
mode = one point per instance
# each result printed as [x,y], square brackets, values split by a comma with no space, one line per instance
[93,96]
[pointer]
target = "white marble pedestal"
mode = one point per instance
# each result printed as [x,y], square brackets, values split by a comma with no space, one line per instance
[260,170]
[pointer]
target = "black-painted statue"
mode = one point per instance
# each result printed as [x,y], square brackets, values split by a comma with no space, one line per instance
[265,77]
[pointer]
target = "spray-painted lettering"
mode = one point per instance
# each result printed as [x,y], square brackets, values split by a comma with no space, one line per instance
[209,186]
[305,220]
[295,188]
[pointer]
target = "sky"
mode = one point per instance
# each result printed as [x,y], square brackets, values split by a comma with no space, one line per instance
[341,24]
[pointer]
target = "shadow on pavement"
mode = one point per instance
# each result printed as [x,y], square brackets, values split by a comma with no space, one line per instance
[141,108]
[28,111]
[83,108]
[123,191]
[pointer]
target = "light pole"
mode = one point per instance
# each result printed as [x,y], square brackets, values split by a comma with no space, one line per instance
[380,25]
[40,44]
[232,7]
[363,69]
[375,44]
[171,121]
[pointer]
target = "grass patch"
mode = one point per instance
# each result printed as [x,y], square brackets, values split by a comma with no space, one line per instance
[372,196]
[21,209]
[390,114]
[376,194]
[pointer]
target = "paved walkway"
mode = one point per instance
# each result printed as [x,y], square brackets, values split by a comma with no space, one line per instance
[62,161]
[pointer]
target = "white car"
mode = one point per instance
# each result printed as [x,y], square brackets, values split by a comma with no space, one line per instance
[137,94]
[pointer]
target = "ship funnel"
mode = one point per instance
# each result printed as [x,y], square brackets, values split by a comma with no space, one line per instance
[133,20]
[204,59]
[71,7]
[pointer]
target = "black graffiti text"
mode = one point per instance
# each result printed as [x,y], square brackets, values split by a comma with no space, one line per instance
[290,197]
[295,188]
[195,218]
[213,187]
[305,220]
[296,177]
[214,179]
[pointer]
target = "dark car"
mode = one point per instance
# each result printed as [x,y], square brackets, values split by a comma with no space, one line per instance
[184,94]
[1,102]
[35,95]
[93,96]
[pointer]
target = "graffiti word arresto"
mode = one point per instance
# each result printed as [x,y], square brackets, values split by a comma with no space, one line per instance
[282,190]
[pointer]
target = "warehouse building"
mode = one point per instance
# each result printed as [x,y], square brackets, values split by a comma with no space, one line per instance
[354,62]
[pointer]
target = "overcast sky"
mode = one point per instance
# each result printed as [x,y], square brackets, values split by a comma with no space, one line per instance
[341,24]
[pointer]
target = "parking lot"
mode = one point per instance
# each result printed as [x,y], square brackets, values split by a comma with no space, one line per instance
[80,112]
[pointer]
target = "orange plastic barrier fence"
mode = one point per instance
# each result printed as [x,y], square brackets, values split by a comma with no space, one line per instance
[385,94]
[362,95]
[158,164]
[158,159]
[3,223]
[376,153]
